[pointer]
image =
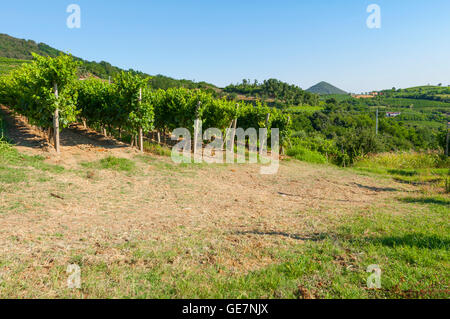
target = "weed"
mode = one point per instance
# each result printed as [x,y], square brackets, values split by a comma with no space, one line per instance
[113,163]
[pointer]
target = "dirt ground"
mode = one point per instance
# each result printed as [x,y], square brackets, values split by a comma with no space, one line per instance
[228,208]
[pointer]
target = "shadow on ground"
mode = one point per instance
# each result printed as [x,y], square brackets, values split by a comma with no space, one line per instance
[414,240]
[313,237]
[377,189]
[22,134]
[426,200]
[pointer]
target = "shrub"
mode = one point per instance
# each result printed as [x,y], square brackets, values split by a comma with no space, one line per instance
[306,155]
[157,149]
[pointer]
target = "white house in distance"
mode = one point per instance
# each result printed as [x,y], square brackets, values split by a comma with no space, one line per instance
[393,114]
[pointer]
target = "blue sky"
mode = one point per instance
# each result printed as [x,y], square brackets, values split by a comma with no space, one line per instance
[222,42]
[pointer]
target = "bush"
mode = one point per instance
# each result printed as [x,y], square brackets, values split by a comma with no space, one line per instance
[306,155]
[157,149]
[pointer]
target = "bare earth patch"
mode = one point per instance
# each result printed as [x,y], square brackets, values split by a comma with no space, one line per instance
[186,216]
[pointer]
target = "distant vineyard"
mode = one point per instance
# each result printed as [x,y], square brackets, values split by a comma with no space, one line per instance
[408,103]
[7,64]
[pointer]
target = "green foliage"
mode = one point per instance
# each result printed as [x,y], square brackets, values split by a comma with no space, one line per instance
[350,125]
[117,104]
[179,107]
[157,149]
[112,163]
[430,93]
[306,155]
[282,92]
[14,48]
[22,49]
[30,90]
[98,103]
[163,82]
[139,111]
[8,64]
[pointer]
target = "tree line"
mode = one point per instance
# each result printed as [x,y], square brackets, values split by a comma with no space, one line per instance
[283,93]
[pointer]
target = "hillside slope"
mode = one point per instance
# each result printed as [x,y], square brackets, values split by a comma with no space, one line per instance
[14,51]
[325,88]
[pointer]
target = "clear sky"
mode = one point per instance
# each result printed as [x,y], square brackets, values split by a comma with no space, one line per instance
[222,42]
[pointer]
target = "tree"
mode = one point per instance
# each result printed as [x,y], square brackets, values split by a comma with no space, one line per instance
[43,91]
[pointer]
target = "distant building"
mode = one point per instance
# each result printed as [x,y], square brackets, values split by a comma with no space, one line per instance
[393,114]
[366,95]
[362,96]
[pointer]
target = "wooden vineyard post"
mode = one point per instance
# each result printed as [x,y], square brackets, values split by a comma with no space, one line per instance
[376,123]
[233,133]
[264,141]
[141,140]
[447,139]
[141,136]
[56,123]
[196,122]
[281,140]
[226,133]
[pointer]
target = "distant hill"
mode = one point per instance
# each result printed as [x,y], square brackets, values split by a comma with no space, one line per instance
[323,88]
[14,52]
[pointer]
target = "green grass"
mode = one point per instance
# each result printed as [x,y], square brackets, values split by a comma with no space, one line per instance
[112,163]
[303,154]
[11,158]
[411,249]
[10,175]
[17,170]
[404,160]
[409,167]
[157,149]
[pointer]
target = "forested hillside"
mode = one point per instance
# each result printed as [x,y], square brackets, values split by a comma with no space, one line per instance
[17,51]
[325,88]
[284,94]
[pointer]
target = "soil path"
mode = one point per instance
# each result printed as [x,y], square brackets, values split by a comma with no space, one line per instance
[77,143]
